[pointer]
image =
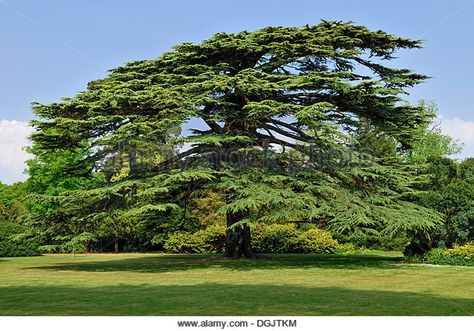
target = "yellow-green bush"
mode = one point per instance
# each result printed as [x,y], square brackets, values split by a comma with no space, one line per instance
[266,238]
[464,251]
[314,241]
[286,238]
[209,240]
[274,238]
[458,255]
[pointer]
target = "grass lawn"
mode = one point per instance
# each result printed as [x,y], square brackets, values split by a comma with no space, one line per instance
[159,284]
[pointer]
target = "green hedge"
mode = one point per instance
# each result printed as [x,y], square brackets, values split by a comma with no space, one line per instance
[9,246]
[266,238]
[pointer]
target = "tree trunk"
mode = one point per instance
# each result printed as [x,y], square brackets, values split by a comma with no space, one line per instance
[238,239]
[116,245]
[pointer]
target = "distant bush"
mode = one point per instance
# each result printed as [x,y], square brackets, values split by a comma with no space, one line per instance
[213,238]
[347,248]
[266,238]
[464,251]
[286,238]
[458,255]
[274,238]
[209,240]
[75,244]
[12,244]
[180,242]
[380,243]
[314,241]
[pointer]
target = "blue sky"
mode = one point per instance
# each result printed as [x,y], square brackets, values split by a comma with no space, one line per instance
[52,48]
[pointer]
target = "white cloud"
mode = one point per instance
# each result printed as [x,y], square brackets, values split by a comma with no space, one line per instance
[462,130]
[13,137]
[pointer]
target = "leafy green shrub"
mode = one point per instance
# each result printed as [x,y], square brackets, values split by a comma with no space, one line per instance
[286,238]
[9,228]
[347,248]
[464,251]
[266,238]
[314,241]
[209,240]
[274,238]
[458,255]
[50,249]
[179,242]
[213,238]
[435,256]
[12,244]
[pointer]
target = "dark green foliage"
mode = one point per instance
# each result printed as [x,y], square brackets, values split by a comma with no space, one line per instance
[448,188]
[462,225]
[383,243]
[452,194]
[13,244]
[71,244]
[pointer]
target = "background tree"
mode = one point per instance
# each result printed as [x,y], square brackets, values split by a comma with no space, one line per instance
[452,195]
[13,202]
[265,96]
[446,187]
[431,143]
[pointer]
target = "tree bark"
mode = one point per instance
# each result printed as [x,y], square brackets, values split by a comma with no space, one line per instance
[116,246]
[238,239]
[87,246]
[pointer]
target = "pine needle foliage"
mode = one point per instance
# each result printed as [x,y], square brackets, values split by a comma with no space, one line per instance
[270,99]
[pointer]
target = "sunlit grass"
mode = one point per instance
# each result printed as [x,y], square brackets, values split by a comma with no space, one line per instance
[158,284]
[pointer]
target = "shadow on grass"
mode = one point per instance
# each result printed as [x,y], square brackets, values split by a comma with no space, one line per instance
[222,299]
[170,263]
